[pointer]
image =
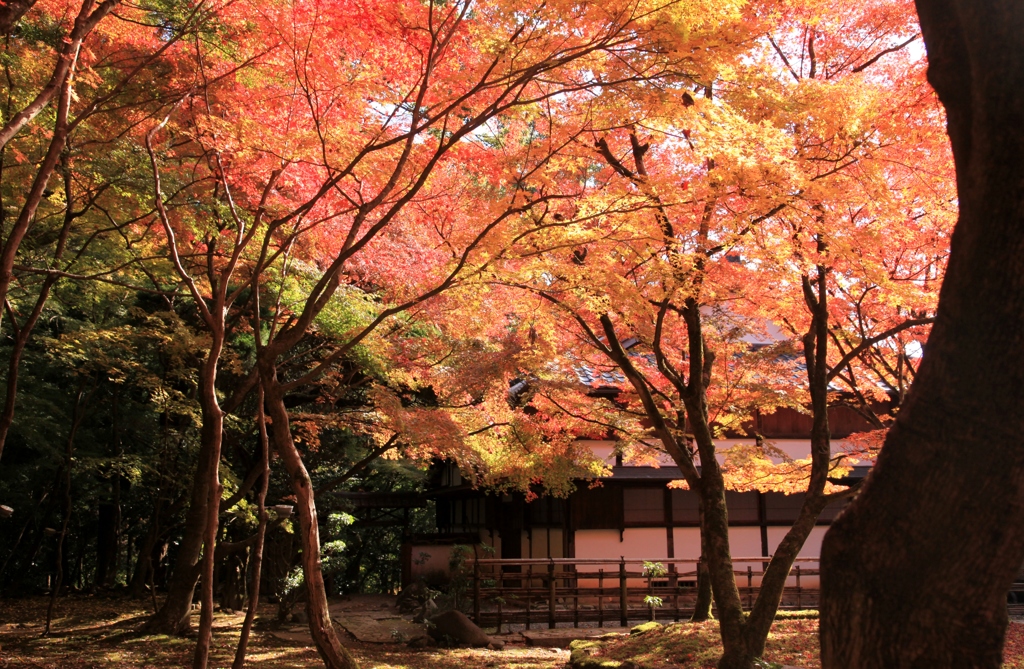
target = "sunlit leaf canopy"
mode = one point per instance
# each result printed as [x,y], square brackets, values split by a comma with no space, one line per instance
[443,194]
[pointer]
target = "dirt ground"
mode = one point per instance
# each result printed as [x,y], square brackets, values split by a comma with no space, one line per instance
[100,632]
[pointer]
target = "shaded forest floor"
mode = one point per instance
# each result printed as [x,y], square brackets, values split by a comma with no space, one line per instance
[100,632]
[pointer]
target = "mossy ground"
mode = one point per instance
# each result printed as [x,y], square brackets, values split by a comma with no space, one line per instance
[99,632]
[793,641]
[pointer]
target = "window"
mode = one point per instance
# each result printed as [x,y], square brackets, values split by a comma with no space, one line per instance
[781,508]
[685,507]
[546,511]
[644,505]
[742,507]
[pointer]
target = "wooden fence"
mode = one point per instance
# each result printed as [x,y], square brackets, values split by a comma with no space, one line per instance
[612,592]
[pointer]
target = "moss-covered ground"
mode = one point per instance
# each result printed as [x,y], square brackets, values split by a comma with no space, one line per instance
[100,632]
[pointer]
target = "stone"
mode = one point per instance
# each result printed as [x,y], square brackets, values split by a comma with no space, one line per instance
[411,597]
[581,657]
[456,628]
[644,628]
[419,642]
[428,611]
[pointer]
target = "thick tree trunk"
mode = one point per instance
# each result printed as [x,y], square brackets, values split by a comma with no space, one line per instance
[915,572]
[702,607]
[334,655]
[173,615]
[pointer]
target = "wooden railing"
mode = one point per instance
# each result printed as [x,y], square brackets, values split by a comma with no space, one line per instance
[612,592]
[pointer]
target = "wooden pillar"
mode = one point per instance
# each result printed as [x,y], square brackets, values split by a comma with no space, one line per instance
[476,591]
[551,594]
[623,594]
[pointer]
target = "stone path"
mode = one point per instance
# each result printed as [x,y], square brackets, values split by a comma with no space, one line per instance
[562,637]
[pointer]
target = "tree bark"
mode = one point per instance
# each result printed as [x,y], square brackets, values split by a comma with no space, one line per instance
[915,572]
[333,653]
[212,432]
[261,533]
[76,420]
[173,615]
[702,607]
[11,12]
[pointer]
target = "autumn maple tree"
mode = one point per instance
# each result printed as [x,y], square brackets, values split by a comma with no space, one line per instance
[377,150]
[271,221]
[768,209]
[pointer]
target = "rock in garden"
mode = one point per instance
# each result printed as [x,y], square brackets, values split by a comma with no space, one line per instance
[455,627]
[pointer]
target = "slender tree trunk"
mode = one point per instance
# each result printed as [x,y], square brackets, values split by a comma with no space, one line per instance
[915,571]
[261,533]
[144,563]
[76,420]
[173,616]
[106,536]
[24,527]
[59,553]
[213,429]
[333,653]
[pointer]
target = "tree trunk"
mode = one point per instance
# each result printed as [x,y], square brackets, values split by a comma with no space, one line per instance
[213,430]
[144,563]
[334,655]
[106,542]
[173,616]
[915,572]
[76,420]
[702,607]
[261,533]
[11,12]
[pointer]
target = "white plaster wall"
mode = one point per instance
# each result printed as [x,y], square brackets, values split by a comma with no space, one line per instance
[811,549]
[538,544]
[649,543]
[598,544]
[794,448]
[687,542]
[430,558]
[556,544]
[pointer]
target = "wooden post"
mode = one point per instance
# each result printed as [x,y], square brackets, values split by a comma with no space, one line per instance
[750,586]
[551,593]
[501,594]
[650,593]
[799,598]
[623,594]
[575,597]
[476,592]
[600,597]
[529,588]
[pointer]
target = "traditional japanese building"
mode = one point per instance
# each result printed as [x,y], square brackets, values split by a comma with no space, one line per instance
[631,513]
